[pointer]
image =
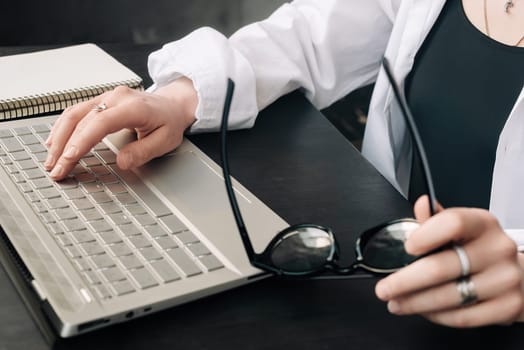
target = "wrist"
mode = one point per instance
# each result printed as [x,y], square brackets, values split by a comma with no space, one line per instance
[183,95]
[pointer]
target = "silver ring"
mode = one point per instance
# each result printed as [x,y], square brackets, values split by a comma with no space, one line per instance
[466,288]
[100,107]
[464,261]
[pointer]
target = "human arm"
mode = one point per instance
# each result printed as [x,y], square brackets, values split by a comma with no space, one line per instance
[428,286]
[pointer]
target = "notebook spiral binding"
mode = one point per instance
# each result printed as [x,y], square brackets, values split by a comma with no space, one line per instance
[57,100]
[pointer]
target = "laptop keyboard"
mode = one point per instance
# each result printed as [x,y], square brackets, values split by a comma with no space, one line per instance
[117,233]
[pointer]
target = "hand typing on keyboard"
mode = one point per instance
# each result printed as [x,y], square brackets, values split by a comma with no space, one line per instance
[159,119]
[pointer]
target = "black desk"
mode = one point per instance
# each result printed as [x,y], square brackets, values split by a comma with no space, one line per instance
[299,164]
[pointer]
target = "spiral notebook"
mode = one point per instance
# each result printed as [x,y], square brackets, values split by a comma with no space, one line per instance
[58,78]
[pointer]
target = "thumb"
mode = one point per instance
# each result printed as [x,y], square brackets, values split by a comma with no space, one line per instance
[422,209]
[141,151]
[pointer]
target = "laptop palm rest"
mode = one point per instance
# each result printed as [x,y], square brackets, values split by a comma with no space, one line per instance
[191,184]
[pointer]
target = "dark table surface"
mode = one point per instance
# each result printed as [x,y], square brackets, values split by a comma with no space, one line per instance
[298,164]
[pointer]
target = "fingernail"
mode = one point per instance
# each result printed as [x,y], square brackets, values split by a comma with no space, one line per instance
[57,171]
[393,307]
[71,152]
[49,161]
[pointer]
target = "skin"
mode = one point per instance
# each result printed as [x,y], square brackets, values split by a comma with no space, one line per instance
[426,287]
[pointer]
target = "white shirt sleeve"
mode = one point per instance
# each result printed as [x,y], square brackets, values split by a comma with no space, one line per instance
[328,48]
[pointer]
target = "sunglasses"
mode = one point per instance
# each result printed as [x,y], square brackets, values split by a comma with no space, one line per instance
[309,249]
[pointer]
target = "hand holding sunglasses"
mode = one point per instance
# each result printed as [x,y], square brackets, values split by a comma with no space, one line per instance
[309,249]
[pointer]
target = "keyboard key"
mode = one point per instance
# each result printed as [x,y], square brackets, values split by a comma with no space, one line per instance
[91,276]
[65,214]
[40,183]
[135,209]
[145,219]
[119,218]
[125,198]
[139,241]
[40,157]
[90,215]
[110,208]
[25,187]
[5,133]
[32,197]
[119,249]
[32,174]
[55,228]
[143,278]
[92,187]
[67,183]
[108,156]
[57,203]
[116,188]
[63,240]
[166,272]
[211,262]
[150,253]
[90,161]
[186,237]
[73,193]
[100,226]
[100,170]
[100,146]
[22,130]
[101,197]
[92,248]
[173,223]
[110,237]
[198,249]
[28,164]
[40,128]
[130,229]
[49,192]
[85,178]
[73,225]
[82,236]
[108,179]
[166,243]
[18,156]
[122,287]
[81,264]
[113,274]
[102,261]
[155,231]
[82,204]
[130,261]
[184,262]
[29,140]
[72,252]
[11,144]
[37,148]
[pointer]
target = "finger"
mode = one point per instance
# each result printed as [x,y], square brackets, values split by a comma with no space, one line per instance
[421,208]
[93,128]
[63,129]
[451,225]
[489,284]
[153,145]
[445,265]
[502,310]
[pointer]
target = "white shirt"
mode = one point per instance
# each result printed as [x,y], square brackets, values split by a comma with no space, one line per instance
[329,48]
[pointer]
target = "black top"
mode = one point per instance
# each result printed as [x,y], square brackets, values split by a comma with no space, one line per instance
[461,90]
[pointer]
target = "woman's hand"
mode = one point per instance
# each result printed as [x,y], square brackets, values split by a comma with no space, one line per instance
[428,286]
[159,118]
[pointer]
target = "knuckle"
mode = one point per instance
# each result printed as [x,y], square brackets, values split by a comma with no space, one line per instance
[507,247]
[456,223]
[122,90]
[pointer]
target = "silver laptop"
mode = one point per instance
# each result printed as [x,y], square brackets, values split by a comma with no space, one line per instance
[106,245]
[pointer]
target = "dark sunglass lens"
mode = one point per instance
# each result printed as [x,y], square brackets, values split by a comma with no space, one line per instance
[302,250]
[385,248]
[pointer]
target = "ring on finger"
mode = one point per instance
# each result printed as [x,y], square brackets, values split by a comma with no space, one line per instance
[465,265]
[467,292]
[100,107]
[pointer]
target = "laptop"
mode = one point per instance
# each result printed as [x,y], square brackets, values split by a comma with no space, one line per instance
[105,245]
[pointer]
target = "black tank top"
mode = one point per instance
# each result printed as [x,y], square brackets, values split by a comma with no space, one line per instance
[461,90]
